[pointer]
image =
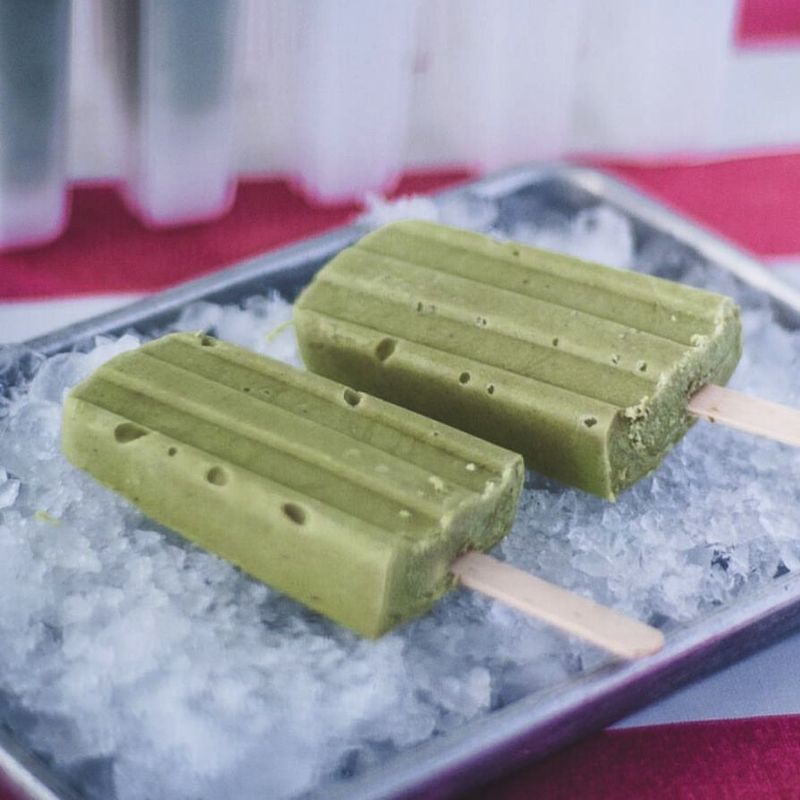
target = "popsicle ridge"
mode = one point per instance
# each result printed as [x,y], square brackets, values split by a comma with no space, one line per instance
[305,396]
[336,478]
[655,306]
[351,505]
[583,369]
[501,346]
[504,301]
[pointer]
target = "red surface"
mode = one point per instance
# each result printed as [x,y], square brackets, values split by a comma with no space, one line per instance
[747,759]
[768,21]
[753,201]
[7,792]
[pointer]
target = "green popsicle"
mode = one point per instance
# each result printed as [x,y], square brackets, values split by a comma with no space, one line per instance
[350,505]
[585,370]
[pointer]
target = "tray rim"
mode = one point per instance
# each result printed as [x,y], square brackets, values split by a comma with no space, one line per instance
[537,724]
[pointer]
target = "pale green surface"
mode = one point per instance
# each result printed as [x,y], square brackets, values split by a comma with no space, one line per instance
[583,369]
[349,504]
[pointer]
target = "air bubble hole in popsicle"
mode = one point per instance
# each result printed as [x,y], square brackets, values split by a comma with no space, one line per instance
[172,451]
[294,512]
[217,476]
[437,483]
[555,342]
[642,366]
[490,388]
[589,422]
[464,377]
[385,348]
[128,432]
[208,341]
[351,397]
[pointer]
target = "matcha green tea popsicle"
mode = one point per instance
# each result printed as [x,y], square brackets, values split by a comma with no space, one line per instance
[585,370]
[362,510]
[353,506]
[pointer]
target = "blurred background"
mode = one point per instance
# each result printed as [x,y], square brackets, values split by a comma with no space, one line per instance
[176,101]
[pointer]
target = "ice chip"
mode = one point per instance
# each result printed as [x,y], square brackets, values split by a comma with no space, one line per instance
[598,234]
[380,212]
[106,348]
[199,316]
[58,374]
[9,490]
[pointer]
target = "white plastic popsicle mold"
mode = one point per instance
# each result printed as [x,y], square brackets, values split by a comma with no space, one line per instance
[652,74]
[175,83]
[325,92]
[34,52]
[351,69]
[175,99]
[760,105]
[495,81]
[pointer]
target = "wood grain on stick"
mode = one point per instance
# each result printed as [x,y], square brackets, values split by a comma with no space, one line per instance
[623,636]
[751,414]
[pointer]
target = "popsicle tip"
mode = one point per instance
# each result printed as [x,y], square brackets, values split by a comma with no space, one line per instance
[650,642]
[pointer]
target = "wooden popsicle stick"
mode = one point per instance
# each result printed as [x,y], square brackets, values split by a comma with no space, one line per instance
[745,413]
[623,636]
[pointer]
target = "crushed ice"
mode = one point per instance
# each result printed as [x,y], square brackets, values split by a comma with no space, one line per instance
[145,667]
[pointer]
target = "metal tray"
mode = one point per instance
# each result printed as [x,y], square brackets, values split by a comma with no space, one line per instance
[536,725]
